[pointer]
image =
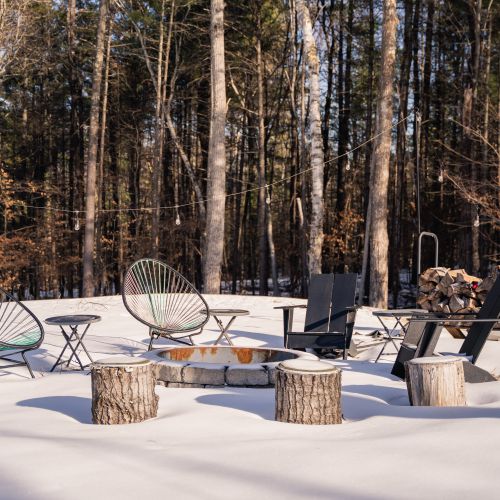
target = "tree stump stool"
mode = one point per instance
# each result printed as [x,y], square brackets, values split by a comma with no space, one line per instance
[436,381]
[123,390]
[308,392]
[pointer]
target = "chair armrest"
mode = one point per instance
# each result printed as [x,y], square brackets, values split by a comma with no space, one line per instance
[298,306]
[315,334]
[353,308]
[462,320]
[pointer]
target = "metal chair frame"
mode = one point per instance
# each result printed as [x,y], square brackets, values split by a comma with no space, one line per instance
[17,322]
[164,292]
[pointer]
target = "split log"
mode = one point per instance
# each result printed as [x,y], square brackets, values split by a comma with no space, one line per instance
[456,303]
[123,390]
[436,381]
[308,392]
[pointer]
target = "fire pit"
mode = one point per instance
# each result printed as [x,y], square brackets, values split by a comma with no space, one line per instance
[218,366]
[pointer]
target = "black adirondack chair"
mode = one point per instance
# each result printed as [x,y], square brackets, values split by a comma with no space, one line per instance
[330,314]
[423,335]
[419,342]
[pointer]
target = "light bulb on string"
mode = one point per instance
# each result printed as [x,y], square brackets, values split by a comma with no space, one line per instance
[441,176]
[77,221]
[177,220]
[348,165]
[476,221]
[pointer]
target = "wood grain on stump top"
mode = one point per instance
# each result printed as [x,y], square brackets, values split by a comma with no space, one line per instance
[307,366]
[120,361]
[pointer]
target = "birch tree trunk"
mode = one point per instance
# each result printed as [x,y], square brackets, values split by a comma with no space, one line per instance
[316,235]
[89,238]
[261,169]
[216,175]
[158,144]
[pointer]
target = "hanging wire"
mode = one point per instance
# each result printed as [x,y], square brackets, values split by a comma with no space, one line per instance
[266,186]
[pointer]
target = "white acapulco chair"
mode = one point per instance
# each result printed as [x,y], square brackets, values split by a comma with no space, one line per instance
[161,298]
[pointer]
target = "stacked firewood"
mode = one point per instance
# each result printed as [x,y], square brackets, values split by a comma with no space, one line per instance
[452,290]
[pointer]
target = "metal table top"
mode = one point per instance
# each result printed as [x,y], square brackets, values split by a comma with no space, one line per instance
[228,312]
[73,319]
[398,313]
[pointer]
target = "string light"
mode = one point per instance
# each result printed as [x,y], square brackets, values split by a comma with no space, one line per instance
[476,220]
[177,220]
[441,176]
[77,221]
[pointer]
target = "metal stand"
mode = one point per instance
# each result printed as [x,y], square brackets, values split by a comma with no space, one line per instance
[70,338]
[223,330]
[419,255]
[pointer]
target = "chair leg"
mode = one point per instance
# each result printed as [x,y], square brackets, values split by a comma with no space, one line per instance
[151,334]
[23,354]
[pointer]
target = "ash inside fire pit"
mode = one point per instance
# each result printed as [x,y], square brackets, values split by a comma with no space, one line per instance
[219,365]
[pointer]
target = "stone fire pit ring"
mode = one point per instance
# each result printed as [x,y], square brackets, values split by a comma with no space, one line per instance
[216,366]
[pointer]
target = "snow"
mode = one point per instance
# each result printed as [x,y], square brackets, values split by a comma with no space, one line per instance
[223,442]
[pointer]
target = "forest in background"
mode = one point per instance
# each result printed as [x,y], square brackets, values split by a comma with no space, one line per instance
[151,137]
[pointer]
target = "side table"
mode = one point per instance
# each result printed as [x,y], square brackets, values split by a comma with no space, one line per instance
[233,313]
[398,315]
[71,335]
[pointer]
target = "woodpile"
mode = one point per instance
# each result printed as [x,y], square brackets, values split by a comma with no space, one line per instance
[452,290]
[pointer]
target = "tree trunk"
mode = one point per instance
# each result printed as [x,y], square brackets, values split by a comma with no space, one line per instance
[158,144]
[400,182]
[123,391]
[379,240]
[100,258]
[344,110]
[216,184]
[261,169]
[436,381]
[89,240]
[308,392]
[316,235]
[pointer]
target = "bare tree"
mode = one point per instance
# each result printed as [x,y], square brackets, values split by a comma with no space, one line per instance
[379,178]
[16,26]
[316,235]
[89,238]
[216,184]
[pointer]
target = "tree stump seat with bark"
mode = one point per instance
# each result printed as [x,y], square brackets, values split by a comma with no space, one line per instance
[308,392]
[123,390]
[436,381]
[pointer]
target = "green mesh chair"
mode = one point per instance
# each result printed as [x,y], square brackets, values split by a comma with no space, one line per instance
[158,296]
[20,331]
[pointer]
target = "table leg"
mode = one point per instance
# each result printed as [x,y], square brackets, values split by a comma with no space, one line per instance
[68,339]
[223,329]
[80,343]
[389,335]
[63,351]
[74,354]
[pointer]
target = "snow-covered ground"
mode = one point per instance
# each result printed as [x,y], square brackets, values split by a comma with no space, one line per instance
[224,443]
